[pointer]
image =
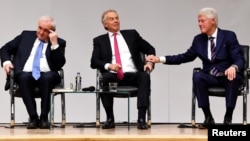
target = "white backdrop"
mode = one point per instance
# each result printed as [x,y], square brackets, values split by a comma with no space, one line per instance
[169,25]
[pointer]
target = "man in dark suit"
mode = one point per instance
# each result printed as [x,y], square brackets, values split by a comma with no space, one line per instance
[23,47]
[133,70]
[224,67]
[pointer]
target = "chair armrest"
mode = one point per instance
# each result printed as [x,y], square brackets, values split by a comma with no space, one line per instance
[196,69]
[61,73]
[148,71]
[248,72]
[7,83]
[13,86]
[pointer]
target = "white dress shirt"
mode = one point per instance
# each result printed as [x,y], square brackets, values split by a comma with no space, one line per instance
[44,67]
[126,58]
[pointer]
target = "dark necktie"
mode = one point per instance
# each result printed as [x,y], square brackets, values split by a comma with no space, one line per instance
[214,71]
[117,58]
[212,48]
[36,62]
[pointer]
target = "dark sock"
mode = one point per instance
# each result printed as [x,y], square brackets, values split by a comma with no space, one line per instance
[142,113]
[229,112]
[43,117]
[34,117]
[207,112]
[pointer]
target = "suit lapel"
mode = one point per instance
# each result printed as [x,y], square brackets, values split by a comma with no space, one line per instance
[107,45]
[219,41]
[204,46]
[29,45]
[127,40]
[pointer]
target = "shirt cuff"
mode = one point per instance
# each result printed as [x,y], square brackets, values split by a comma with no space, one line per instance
[6,62]
[106,66]
[53,47]
[162,59]
[236,67]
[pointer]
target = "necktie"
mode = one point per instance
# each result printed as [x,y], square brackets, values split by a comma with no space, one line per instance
[214,71]
[117,58]
[36,62]
[212,48]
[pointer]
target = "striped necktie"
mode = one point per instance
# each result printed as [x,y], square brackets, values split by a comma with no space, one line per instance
[214,71]
[211,39]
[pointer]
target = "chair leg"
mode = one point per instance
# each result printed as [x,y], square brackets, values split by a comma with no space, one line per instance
[52,96]
[193,109]
[149,113]
[128,112]
[97,110]
[63,110]
[12,111]
[244,109]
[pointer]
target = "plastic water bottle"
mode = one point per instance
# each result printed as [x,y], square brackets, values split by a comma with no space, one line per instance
[78,86]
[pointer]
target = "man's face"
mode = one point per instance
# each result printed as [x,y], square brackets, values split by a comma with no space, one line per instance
[112,22]
[43,30]
[207,25]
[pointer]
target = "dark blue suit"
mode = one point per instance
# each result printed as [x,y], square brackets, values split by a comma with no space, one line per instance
[102,54]
[21,47]
[228,52]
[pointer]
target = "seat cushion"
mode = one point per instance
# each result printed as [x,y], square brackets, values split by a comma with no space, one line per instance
[217,91]
[131,89]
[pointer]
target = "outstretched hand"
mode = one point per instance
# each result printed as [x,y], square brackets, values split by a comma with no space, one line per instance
[153,59]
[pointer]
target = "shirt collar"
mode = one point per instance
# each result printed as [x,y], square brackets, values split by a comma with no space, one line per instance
[111,34]
[214,34]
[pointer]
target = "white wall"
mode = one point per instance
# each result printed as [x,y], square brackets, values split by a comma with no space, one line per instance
[169,25]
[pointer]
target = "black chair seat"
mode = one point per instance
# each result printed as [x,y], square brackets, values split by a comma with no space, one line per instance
[217,91]
[131,91]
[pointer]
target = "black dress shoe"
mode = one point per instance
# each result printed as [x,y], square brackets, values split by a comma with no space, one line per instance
[44,124]
[141,124]
[33,124]
[227,121]
[109,124]
[208,121]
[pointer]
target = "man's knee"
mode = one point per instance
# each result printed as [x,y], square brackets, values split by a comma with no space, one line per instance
[197,77]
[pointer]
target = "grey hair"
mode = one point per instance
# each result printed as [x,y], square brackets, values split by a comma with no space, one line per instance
[210,13]
[48,19]
[103,18]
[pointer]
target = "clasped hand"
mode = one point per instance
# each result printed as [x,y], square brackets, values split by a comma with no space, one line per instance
[115,67]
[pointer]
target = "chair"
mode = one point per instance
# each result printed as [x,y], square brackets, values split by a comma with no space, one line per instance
[122,92]
[14,93]
[220,91]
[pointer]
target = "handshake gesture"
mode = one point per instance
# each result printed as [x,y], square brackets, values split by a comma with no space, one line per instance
[153,59]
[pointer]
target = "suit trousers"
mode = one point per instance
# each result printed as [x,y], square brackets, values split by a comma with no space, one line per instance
[203,81]
[138,79]
[45,84]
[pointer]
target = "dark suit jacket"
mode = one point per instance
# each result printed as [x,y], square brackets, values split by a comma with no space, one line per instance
[21,47]
[228,52]
[102,52]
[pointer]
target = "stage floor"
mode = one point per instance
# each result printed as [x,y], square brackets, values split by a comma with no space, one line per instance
[157,132]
